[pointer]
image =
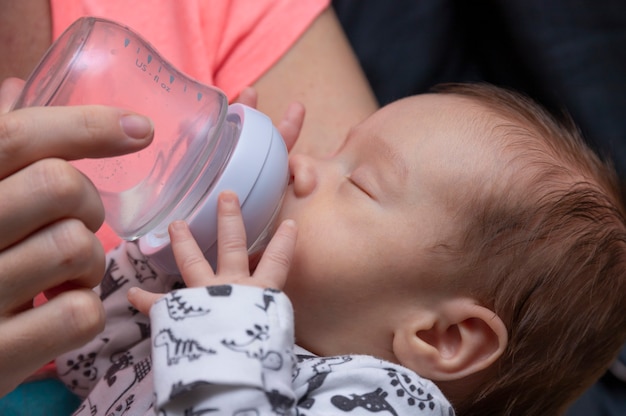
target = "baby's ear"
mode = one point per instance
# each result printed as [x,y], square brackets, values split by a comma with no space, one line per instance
[452,341]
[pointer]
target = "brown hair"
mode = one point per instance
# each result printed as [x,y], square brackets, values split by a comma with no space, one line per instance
[548,254]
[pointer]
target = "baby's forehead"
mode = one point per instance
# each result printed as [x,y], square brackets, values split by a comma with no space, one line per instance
[511,146]
[499,127]
[464,135]
[470,115]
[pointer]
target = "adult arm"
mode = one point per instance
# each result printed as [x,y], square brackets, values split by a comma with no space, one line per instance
[320,71]
[233,44]
[48,214]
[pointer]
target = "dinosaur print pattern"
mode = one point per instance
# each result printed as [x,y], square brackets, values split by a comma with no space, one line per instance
[415,392]
[321,367]
[112,280]
[224,350]
[372,402]
[252,345]
[179,308]
[178,349]
[141,266]
[126,398]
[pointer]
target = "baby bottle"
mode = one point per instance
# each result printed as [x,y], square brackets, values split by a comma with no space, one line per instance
[201,145]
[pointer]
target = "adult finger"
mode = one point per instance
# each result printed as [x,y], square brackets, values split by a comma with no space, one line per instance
[64,252]
[193,266]
[43,193]
[232,251]
[276,261]
[9,91]
[36,336]
[31,134]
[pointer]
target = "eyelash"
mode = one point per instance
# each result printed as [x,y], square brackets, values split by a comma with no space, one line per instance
[352,181]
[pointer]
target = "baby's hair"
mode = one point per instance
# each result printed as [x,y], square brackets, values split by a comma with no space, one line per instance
[546,251]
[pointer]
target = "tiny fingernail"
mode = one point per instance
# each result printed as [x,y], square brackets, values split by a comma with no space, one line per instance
[178,225]
[136,126]
[228,197]
[289,223]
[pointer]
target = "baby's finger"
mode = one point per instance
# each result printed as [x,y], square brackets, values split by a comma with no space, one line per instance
[248,96]
[291,124]
[142,300]
[232,251]
[192,264]
[276,261]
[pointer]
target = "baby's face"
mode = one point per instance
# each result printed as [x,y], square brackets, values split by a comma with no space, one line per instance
[368,215]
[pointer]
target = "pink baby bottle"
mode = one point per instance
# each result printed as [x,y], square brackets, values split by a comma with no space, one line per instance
[201,146]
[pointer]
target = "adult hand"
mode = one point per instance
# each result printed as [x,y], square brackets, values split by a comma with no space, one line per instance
[232,255]
[49,212]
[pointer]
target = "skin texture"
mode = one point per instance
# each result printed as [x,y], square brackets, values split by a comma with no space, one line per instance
[49,212]
[56,224]
[372,211]
[233,266]
[233,259]
[321,72]
[367,216]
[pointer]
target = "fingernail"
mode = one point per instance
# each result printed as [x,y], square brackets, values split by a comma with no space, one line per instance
[135,126]
[228,197]
[178,225]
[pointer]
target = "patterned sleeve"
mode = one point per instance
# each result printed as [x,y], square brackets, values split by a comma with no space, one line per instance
[225,349]
[124,342]
[229,350]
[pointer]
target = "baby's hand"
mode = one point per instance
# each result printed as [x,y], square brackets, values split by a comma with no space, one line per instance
[289,126]
[232,255]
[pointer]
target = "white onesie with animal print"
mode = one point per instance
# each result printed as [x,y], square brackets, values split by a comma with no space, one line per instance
[224,350]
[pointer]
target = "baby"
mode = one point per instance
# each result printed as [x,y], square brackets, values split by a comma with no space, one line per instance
[462,250]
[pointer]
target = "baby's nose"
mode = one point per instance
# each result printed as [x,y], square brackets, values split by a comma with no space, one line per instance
[303,176]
